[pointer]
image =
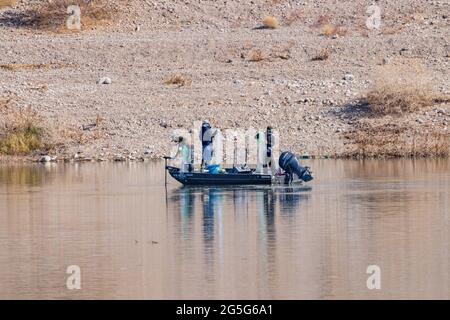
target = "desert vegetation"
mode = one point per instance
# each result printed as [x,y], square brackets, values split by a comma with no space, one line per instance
[24,132]
[20,129]
[400,92]
[178,80]
[329,29]
[256,55]
[401,89]
[24,66]
[270,22]
[397,140]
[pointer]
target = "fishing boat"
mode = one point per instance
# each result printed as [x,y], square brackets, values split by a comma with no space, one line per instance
[227,177]
[243,176]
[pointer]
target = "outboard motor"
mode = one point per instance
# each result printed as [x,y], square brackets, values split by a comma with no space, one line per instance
[290,164]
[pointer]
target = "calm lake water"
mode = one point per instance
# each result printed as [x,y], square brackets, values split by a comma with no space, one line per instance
[132,240]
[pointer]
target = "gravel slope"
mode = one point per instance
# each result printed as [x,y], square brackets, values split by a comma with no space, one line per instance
[211,43]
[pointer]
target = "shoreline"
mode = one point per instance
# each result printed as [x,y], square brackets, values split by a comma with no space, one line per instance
[6,160]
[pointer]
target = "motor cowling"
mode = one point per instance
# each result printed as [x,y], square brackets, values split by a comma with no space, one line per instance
[289,163]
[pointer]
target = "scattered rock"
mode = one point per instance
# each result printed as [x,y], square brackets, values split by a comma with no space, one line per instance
[45,159]
[104,80]
[119,158]
[348,77]
[88,126]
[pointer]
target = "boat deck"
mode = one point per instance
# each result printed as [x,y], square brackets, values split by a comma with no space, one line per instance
[228,178]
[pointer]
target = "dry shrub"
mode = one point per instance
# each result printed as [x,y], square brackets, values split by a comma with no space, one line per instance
[282,50]
[270,22]
[330,30]
[20,130]
[394,140]
[73,135]
[52,15]
[76,135]
[23,131]
[7,3]
[178,80]
[256,56]
[324,54]
[401,88]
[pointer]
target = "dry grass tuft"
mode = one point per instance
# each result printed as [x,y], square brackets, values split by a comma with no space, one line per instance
[330,30]
[24,66]
[18,67]
[281,50]
[270,22]
[7,3]
[256,56]
[324,54]
[401,88]
[179,80]
[20,132]
[393,140]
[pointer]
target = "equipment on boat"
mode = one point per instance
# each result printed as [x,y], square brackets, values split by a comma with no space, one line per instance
[290,164]
[214,168]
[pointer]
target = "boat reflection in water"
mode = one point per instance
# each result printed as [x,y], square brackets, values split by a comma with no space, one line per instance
[226,212]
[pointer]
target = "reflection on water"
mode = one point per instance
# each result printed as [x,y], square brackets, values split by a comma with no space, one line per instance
[132,239]
[22,175]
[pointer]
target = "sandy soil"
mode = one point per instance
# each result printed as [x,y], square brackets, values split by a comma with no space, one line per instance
[211,43]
